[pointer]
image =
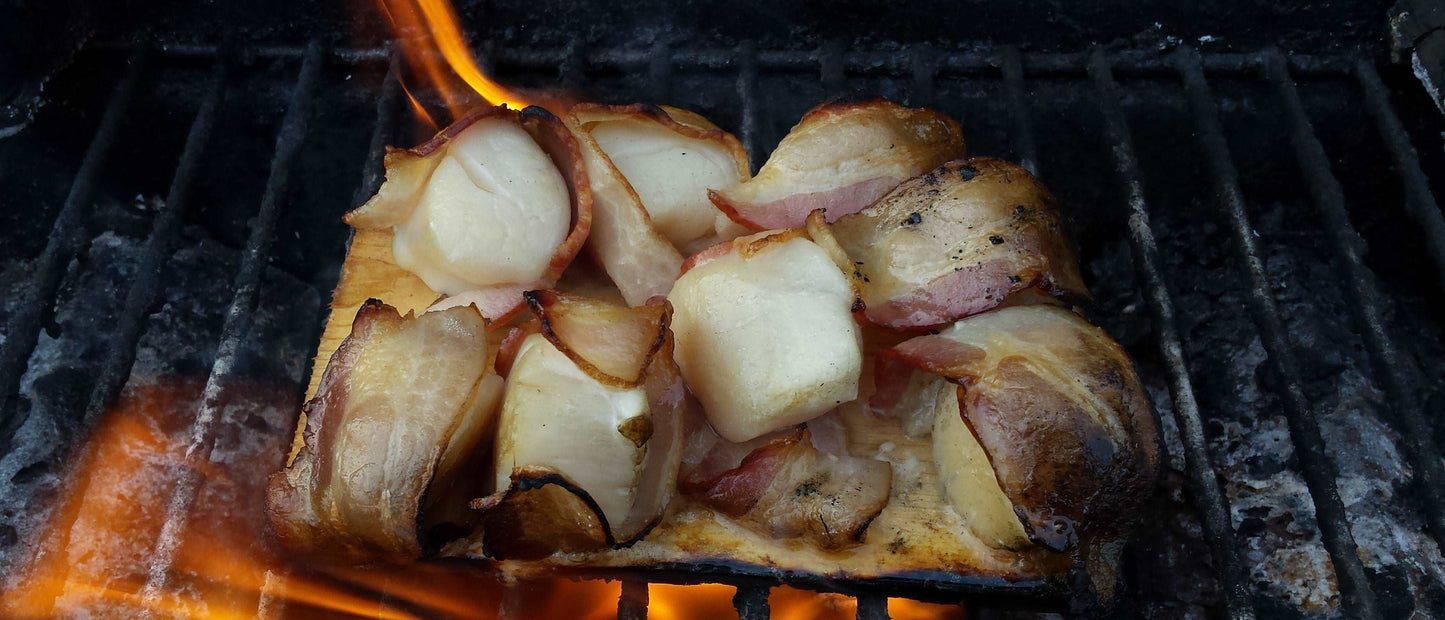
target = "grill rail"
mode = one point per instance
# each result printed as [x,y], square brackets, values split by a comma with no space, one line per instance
[1203,485]
[833,64]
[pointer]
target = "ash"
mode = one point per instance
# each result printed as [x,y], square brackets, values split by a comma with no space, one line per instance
[1248,437]
[174,358]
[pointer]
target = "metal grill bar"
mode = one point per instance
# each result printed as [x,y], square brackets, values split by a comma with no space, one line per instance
[747,63]
[573,69]
[1420,203]
[1206,488]
[872,607]
[1329,199]
[1023,133]
[659,72]
[921,65]
[67,239]
[830,67]
[247,285]
[121,352]
[1128,63]
[751,603]
[1203,485]
[372,172]
[1317,469]
[632,604]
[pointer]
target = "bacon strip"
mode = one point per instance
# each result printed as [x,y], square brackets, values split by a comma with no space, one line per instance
[386,433]
[638,250]
[840,158]
[785,487]
[954,242]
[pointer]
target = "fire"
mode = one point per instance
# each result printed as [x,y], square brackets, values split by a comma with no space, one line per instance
[435,49]
[94,554]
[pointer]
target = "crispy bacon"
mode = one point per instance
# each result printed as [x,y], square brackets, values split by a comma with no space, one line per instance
[840,158]
[784,486]
[386,433]
[650,169]
[590,436]
[450,209]
[1057,408]
[954,242]
[765,335]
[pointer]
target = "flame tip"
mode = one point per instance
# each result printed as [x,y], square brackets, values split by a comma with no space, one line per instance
[432,42]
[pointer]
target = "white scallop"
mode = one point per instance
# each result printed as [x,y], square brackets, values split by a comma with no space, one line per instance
[767,341]
[557,417]
[493,212]
[671,173]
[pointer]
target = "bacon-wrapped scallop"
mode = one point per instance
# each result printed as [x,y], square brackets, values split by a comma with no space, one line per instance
[1043,434]
[493,205]
[590,432]
[789,484]
[956,241]
[650,169]
[840,158]
[403,406]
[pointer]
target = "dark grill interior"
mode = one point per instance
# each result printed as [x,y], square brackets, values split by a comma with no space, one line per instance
[1256,226]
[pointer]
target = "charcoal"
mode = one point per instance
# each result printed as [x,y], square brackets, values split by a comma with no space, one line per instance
[175,353]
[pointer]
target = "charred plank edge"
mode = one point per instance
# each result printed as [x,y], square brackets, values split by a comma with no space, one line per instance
[937,586]
[1203,483]
[294,127]
[66,241]
[373,172]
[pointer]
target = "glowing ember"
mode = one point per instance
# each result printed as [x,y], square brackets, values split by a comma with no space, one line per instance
[669,602]
[793,604]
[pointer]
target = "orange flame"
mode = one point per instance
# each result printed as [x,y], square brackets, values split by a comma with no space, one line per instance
[94,555]
[434,47]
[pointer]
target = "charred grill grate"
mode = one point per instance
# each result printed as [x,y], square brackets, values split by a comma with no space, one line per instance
[923,70]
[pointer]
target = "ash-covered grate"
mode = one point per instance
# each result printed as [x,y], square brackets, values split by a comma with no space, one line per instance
[1267,247]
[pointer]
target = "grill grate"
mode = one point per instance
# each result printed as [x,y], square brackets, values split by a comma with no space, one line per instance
[65,241]
[1141,233]
[922,66]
